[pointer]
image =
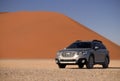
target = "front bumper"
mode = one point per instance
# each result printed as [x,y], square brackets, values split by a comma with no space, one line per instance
[70,61]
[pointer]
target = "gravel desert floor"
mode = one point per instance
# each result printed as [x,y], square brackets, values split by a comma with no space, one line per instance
[47,70]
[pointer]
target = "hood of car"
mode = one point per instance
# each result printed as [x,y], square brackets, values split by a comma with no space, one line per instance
[75,49]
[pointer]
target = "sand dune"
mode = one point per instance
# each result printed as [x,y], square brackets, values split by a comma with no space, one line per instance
[41,34]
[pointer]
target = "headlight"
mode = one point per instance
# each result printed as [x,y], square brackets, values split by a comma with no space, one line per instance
[84,52]
[59,53]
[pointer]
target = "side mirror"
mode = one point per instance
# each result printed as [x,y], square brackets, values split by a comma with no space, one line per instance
[64,48]
[96,47]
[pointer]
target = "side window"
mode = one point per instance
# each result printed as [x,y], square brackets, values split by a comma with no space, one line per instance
[100,45]
[97,44]
[103,47]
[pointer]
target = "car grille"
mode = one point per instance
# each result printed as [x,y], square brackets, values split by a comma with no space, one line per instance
[68,54]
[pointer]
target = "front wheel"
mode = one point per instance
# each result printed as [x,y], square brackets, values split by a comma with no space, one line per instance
[61,65]
[90,62]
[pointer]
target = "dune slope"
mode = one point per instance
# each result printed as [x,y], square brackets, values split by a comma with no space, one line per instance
[41,34]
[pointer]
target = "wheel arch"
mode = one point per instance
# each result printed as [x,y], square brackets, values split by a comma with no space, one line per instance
[108,59]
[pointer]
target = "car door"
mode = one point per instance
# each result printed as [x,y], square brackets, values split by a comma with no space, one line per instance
[98,52]
[103,52]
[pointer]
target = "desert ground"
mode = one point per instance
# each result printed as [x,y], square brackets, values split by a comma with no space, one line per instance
[47,70]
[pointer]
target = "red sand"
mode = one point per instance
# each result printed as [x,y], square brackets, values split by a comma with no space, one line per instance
[41,34]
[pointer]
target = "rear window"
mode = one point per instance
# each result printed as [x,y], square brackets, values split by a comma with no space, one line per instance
[80,45]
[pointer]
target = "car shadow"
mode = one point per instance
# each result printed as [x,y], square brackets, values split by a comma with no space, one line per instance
[95,68]
[114,68]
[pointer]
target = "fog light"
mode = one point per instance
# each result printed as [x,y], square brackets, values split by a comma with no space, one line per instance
[83,61]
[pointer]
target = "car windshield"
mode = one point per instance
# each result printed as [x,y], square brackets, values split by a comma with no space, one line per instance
[80,45]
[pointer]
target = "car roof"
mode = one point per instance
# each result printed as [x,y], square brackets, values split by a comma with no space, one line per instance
[78,41]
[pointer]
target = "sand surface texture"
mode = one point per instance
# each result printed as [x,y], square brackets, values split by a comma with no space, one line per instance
[47,70]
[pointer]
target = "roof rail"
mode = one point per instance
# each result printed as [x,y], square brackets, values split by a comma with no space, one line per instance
[97,41]
[77,40]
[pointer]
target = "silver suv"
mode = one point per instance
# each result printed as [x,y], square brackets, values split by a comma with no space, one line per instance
[83,53]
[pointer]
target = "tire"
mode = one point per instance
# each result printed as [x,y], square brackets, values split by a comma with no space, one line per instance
[61,65]
[105,64]
[90,62]
[81,65]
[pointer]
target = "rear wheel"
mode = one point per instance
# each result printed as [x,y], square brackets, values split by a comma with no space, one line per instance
[61,65]
[105,64]
[90,62]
